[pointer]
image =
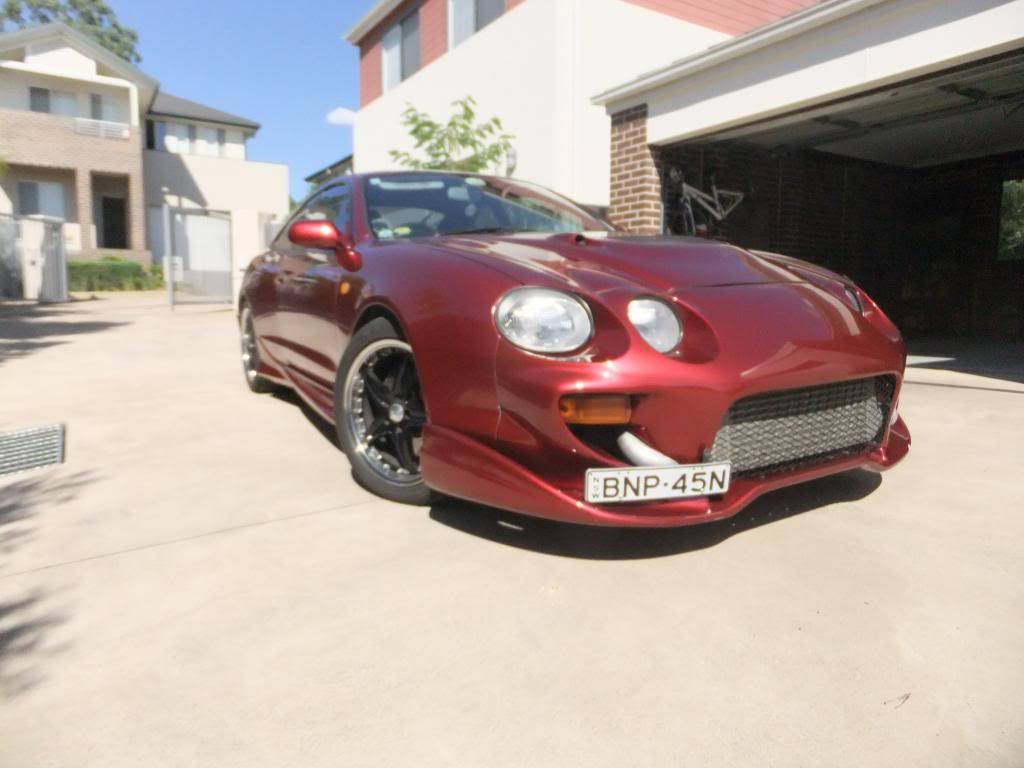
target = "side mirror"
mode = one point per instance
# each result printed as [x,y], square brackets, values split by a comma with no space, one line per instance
[322,234]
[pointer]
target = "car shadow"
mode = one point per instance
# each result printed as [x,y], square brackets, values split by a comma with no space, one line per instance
[598,543]
[993,359]
[324,427]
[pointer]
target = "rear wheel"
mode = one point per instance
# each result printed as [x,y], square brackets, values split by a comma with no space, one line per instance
[380,413]
[251,355]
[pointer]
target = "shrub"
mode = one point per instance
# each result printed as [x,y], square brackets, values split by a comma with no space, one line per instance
[111,273]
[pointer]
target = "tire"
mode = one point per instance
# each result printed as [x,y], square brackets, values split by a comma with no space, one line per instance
[251,354]
[380,414]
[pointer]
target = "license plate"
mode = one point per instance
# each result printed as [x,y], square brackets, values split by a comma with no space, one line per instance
[682,481]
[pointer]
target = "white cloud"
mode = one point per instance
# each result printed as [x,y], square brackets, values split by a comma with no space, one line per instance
[341,116]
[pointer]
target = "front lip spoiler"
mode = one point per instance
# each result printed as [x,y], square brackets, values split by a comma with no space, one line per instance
[460,466]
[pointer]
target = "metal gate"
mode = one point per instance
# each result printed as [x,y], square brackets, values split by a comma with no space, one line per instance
[33,263]
[198,265]
[10,264]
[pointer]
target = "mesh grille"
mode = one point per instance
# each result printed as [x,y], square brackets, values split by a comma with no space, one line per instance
[31,448]
[779,431]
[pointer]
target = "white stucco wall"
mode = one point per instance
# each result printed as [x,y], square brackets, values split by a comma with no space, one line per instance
[887,42]
[243,188]
[15,84]
[537,68]
[59,57]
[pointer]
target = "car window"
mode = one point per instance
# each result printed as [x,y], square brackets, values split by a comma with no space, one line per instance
[331,204]
[437,204]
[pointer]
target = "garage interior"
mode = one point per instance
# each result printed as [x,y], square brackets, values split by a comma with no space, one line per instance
[915,191]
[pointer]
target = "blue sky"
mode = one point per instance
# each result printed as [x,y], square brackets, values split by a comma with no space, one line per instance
[283,65]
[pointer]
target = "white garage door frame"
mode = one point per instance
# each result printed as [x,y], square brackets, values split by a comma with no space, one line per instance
[826,53]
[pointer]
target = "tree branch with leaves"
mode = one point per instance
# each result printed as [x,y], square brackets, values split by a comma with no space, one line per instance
[93,18]
[460,144]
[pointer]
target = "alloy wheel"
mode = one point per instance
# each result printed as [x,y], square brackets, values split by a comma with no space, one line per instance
[384,410]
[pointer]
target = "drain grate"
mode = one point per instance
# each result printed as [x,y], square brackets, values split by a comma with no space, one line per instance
[26,449]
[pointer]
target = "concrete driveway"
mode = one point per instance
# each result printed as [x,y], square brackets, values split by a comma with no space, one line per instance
[202,584]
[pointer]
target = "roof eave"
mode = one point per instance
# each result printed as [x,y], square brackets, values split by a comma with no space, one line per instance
[794,24]
[247,126]
[371,19]
[108,58]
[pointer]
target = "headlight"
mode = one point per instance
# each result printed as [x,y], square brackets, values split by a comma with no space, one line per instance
[541,320]
[656,322]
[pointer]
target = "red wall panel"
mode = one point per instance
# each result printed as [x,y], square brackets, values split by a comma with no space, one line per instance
[734,17]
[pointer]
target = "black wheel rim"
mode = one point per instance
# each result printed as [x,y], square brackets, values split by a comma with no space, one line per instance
[385,411]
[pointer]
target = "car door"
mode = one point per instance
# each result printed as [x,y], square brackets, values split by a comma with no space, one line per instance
[308,292]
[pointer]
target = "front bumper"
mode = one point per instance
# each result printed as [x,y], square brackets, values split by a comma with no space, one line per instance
[533,463]
[460,466]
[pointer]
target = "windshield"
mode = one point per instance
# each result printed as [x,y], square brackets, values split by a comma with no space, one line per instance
[437,204]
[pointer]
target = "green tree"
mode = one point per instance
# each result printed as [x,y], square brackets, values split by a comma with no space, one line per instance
[91,17]
[460,144]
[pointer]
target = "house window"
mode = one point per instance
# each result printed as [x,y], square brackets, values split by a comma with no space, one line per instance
[41,198]
[96,107]
[39,99]
[400,51]
[222,142]
[52,102]
[466,17]
[156,135]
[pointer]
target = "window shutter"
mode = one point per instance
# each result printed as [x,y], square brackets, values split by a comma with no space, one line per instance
[391,58]
[462,20]
[487,11]
[410,45]
[39,99]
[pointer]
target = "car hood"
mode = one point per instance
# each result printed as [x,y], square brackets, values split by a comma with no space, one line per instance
[655,264]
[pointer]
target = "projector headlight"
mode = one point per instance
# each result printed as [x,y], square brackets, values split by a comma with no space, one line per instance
[542,320]
[657,323]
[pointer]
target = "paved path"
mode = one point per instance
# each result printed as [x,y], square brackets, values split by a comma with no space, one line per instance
[202,584]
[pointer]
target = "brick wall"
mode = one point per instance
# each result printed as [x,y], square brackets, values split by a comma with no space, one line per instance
[49,141]
[635,184]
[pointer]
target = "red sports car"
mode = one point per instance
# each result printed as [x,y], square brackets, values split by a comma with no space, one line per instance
[481,337]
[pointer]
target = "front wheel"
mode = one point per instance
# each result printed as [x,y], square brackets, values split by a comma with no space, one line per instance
[380,414]
[251,355]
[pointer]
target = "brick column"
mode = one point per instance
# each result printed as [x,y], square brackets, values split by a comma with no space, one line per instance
[136,213]
[83,198]
[636,183]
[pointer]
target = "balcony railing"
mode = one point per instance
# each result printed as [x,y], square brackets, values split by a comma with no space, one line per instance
[103,129]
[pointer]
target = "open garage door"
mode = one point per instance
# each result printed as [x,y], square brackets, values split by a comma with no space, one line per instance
[916,191]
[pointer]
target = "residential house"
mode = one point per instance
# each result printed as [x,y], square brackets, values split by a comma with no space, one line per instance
[535,64]
[881,138]
[130,169]
[342,167]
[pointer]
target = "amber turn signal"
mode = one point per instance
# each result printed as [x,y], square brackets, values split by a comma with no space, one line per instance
[595,409]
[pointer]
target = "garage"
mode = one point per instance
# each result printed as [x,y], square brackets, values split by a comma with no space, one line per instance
[884,140]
